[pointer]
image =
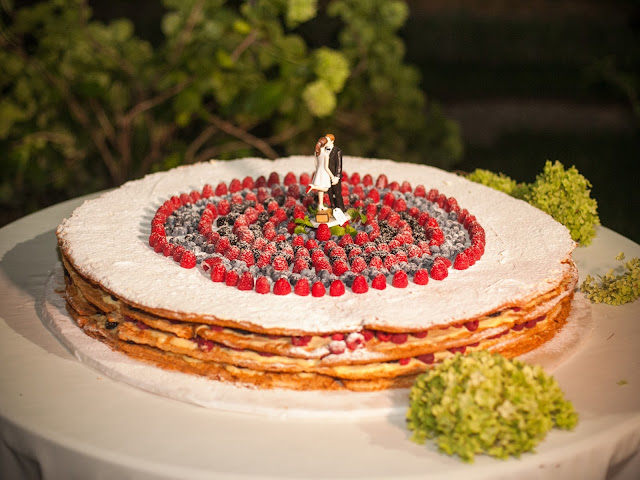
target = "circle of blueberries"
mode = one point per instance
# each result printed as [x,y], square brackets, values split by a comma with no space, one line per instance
[182,229]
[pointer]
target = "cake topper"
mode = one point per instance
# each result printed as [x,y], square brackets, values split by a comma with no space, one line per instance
[327,178]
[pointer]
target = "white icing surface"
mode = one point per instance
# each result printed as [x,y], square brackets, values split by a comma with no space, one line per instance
[107,239]
[277,402]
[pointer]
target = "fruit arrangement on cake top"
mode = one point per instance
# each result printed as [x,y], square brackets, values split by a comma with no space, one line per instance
[257,234]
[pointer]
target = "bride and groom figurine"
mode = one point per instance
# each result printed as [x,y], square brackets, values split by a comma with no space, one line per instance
[327,179]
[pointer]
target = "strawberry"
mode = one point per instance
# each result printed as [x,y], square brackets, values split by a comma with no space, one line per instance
[400,279]
[323,233]
[318,290]
[282,286]
[262,285]
[379,282]
[188,260]
[360,284]
[302,287]
[421,277]
[337,288]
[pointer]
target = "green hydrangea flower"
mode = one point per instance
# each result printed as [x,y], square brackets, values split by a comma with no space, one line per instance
[498,181]
[615,289]
[484,403]
[565,195]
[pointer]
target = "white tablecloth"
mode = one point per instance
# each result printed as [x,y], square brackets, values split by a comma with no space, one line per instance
[61,419]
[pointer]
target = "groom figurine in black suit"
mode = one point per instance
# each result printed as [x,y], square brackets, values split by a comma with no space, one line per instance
[335,165]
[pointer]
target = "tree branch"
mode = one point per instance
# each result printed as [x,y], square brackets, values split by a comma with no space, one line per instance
[243,135]
[190,24]
[200,140]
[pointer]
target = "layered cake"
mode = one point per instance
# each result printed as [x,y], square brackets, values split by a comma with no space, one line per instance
[219,269]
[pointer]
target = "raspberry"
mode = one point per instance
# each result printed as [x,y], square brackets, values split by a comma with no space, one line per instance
[279,263]
[379,282]
[355,340]
[389,261]
[185,198]
[231,280]
[339,267]
[439,270]
[311,244]
[247,182]
[302,287]
[235,185]
[337,288]
[221,189]
[345,240]
[337,336]
[419,191]
[368,335]
[274,179]
[376,262]
[159,245]
[177,252]
[421,277]
[432,195]
[232,252]
[361,238]
[318,290]
[305,179]
[451,204]
[300,264]
[400,205]
[437,237]
[421,334]
[441,199]
[222,245]
[264,259]
[405,187]
[167,250]
[461,262]
[218,272]
[289,178]
[224,207]
[323,233]
[337,346]
[246,281]
[374,195]
[188,260]
[262,285]
[404,361]
[400,279]
[358,264]
[393,186]
[207,191]
[413,251]
[282,287]
[399,338]
[153,239]
[302,341]
[427,358]
[329,245]
[389,199]
[384,212]
[360,285]
[382,181]
[472,325]
[323,264]
[383,336]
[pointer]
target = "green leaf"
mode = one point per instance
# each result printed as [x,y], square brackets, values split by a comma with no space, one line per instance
[300,11]
[319,98]
[264,99]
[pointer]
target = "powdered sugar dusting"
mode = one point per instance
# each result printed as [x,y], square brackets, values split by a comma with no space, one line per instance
[525,254]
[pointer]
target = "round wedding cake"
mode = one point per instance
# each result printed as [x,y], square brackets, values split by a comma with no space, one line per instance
[220,269]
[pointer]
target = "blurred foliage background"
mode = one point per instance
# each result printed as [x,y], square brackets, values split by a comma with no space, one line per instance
[96,93]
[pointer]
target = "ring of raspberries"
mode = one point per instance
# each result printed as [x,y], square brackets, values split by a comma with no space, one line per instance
[256,234]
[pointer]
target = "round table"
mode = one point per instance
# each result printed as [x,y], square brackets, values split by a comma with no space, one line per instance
[61,419]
